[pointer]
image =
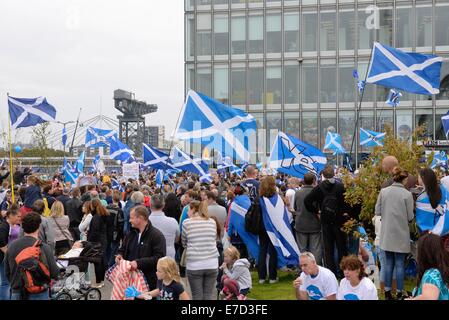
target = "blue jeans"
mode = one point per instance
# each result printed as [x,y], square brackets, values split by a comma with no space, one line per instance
[394,260]
[4,283]
[38,296]
[353,245]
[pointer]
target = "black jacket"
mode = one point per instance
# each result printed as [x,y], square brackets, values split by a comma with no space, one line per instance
[314,199]
[75,212]
[151,248]
[98,230]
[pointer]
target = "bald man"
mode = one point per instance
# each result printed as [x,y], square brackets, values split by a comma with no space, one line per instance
[388,164]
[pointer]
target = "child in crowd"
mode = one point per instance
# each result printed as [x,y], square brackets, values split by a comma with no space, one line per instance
[168,283]
[237,278]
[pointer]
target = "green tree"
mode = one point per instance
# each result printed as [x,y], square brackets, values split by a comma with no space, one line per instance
[41,133]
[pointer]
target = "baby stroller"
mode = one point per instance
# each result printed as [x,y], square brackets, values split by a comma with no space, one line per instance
[72,284]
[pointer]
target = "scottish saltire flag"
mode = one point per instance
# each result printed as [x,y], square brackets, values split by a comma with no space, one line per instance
[79,164]
[295,157]
[70,174]
[236,225]
[30,112]
[155,158]
[64,136]
[120,151]
[182,161]
[96,138]
[225,162]
[116,185]
[279,230]
[430,219]
[370,138]
[333,142]
[227,128]
[207,178]
[98,164]
[445,121]
[411,72]
[244,165]
[236,170]
[360,83]
[439,160]
[394,98]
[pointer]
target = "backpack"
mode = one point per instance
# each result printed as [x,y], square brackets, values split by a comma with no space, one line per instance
[253,218]
[34,273]
[47,210]
[329,207]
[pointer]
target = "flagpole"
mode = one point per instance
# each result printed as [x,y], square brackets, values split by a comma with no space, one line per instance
[356,134]
[10,156]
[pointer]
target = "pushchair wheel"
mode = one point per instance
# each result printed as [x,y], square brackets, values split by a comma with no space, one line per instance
[92,294]
[63,296]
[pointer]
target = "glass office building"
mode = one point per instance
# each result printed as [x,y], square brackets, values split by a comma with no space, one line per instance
[289,63]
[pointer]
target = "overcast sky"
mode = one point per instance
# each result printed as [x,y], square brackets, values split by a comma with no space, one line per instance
[77,52]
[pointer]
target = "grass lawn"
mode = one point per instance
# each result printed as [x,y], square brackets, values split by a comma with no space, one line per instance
[283,290]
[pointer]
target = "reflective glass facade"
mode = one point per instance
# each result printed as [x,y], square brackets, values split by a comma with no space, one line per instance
[289,63]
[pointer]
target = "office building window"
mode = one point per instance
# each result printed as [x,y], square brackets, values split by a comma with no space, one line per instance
[260,138]
[309,31]
[255,83]
[439,130]
[274,37]
[404,125]
[404,27]
[221,35]
[328,38]
[189,5]
[346,123]
[328,81]
[385,31]
[190,77]
[274,125]
[424,119]
[221,2]
[255,34]
[346,30]
[221,83]
[190,37]
[384,119]
[204,40]
[366,121]
[444,87]
[442,26]
[346,82]
[291,85]
[328,121]
[204,80]
[310,83]
[291,124]
[366,28]
[238,86]
[274,85]
[238,35]
[424,26]
[310,128]
[291,32]
[368,96]
[203,2]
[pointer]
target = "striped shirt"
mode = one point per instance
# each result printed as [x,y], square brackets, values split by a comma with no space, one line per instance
[199,237]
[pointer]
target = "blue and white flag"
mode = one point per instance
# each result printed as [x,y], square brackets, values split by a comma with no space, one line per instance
[30,112]
[225,127]
[225,162]
[159,178]
[182,161]
[360,83]
[370,138]
[445,121]
[96,138]
[279,230]
[430,219]
[155,158]
[64,136]
[70,174]
[236,170]
[394,98]
[239,208]
[79,164]
[439,160]
[98,164]
[120,151]
[333,142]
[411,72]
[295,157]
[259,165]
[116,185]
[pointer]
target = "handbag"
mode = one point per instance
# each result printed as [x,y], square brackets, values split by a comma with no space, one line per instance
[183,261]
[62,231]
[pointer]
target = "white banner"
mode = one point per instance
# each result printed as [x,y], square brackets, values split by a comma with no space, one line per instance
[130,171]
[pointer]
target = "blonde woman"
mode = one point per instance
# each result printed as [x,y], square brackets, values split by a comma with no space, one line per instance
[60,223]
[199,235]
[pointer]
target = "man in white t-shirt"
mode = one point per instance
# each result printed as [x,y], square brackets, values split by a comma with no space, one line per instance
[315,282]
[293,186]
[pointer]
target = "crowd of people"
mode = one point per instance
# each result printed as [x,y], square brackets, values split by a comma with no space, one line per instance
[182,230]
